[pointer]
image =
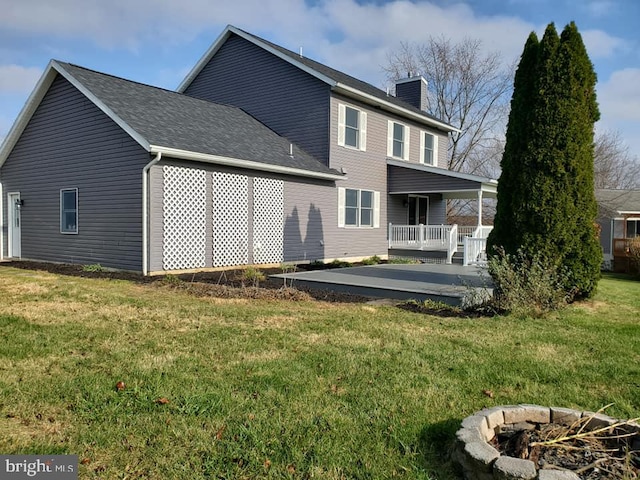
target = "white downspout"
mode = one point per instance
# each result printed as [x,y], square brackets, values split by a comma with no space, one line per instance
[145,213]
[1,224]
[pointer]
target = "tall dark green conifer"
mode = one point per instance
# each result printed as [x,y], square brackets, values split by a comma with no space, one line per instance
[546,203]
[508,211]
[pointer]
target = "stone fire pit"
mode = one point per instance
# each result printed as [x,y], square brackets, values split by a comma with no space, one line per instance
[481,461]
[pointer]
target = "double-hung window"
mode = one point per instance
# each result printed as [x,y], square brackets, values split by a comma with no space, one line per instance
[352,128]
[358,208]
[428,148]
[69,210]
[398,140]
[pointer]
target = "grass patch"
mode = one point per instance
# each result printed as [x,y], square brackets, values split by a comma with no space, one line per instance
[227,388]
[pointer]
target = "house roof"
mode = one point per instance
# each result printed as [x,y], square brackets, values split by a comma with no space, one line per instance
[339,81]
[178,125]
[618,202]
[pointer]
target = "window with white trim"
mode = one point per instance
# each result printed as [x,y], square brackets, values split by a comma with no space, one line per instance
[428,148]
[633,228]
[352,127]
[69,210]
[398,140]
[358,208]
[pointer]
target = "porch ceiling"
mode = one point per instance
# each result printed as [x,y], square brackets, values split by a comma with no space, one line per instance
[412,178]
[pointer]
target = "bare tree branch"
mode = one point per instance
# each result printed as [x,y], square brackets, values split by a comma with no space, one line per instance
[614,167]
[467,88]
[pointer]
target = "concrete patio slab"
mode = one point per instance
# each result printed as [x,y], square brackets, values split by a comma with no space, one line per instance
[446,283]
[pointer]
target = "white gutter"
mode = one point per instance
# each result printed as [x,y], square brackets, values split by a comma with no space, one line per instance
[1,225]
[145,213]
[235,162]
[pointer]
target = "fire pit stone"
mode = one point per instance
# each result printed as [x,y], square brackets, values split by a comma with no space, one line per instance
[475,440]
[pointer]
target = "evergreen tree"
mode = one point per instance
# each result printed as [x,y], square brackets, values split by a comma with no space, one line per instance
[548,203]
[509,199]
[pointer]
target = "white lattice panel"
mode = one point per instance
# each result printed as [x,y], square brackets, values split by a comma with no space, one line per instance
[230,219]
[185,218]
[268,220]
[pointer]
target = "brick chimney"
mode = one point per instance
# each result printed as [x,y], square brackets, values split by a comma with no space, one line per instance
[413,90]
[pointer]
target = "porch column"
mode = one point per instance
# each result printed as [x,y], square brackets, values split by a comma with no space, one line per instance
[480,207]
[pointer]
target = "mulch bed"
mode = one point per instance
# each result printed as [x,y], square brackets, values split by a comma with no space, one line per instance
[595,456]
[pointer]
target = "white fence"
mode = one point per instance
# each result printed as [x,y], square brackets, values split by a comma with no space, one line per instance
[424,237]
[443,238]
[475,251]
[465,231]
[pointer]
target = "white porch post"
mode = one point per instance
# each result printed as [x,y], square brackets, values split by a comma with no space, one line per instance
[480,207]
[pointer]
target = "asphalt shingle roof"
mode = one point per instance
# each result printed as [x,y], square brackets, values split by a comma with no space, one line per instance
[345,79]
[612,201]
[173,120]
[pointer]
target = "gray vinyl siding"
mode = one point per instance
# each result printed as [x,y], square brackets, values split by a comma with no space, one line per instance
[605,234]
[437,210]
[70,143]
[366,171]
[310,213]
[403,180]
[289,101]
[311,219]
[398,213]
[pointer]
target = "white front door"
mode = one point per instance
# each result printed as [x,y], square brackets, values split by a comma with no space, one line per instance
[13,207]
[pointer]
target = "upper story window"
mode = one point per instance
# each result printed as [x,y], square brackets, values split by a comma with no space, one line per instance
[398,140]
[69,210]
[428,148]
[352,127]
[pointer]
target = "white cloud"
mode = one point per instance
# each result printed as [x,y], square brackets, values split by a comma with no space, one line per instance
[600,8]
[18,79]
[619,99]
[619,96]
[600,44]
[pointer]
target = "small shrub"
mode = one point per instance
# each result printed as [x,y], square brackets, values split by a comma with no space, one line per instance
[375,260]
[528,286]
[172,280]
[288,268]
[253,275]
[95,267]
[339,264]
[402,261]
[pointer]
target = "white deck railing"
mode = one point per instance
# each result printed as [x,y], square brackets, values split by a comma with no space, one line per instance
[443,238]
[482,231]
[475,251]
[465,231]
[453,243]
[425,237]
[475,247]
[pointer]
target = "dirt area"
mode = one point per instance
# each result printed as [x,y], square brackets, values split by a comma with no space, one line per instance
[608,454]
[223,284]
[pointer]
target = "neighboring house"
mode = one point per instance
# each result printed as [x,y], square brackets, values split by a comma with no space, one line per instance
[619,220]
[261,157]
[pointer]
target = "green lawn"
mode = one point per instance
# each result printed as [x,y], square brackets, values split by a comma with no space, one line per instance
[274,389]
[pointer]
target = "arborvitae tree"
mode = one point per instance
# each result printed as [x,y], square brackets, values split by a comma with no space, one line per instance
[581,253]
[548,204]
[507,210]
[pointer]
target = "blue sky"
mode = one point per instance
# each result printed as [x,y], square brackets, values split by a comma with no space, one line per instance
[158,41]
